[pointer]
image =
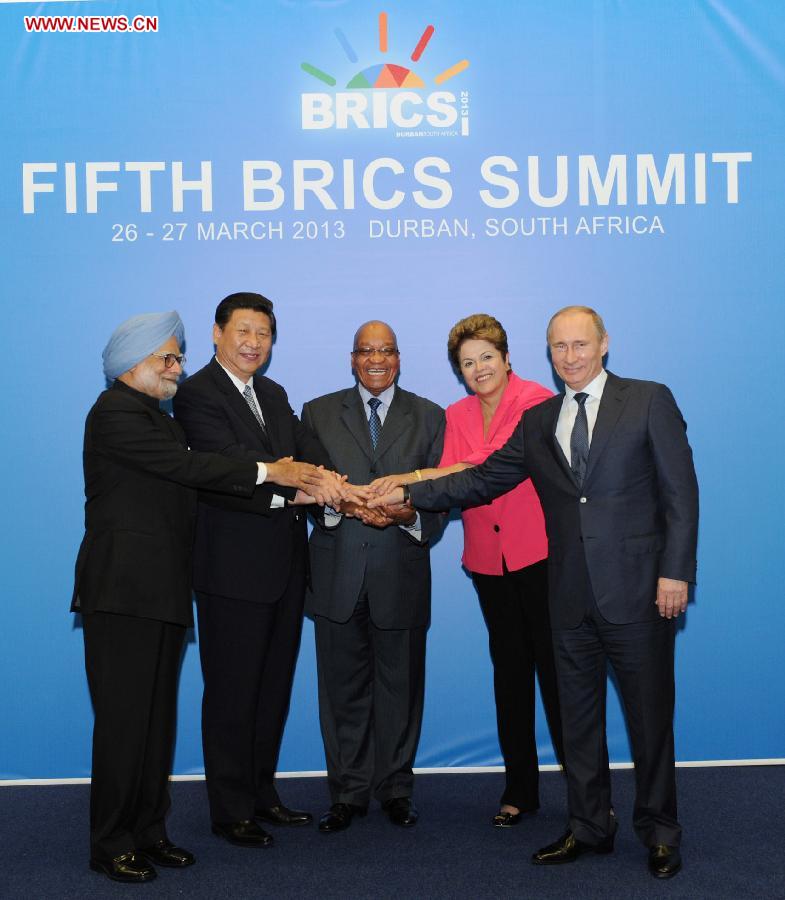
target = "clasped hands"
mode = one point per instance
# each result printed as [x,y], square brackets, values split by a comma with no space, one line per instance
[315,484]
[374,507]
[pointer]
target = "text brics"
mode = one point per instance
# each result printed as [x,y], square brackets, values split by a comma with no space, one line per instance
[385,183]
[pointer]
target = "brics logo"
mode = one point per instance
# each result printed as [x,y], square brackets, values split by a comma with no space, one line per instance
[387,95]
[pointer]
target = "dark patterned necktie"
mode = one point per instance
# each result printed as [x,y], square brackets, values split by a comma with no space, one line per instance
[579,440]
[248,394]
[374,422]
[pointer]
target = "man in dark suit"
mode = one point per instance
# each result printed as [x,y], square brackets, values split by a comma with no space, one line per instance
[133,587]
[250,567]
[371,584]
[611,463]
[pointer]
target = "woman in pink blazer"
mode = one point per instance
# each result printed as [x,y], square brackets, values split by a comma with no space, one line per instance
[505,550]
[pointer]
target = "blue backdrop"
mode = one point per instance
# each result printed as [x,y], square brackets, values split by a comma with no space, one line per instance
[626,156]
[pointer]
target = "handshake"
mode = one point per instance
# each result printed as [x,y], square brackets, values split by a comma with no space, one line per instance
[369,503]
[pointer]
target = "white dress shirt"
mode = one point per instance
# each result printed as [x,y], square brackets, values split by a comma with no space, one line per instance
[277,502]
[569,411]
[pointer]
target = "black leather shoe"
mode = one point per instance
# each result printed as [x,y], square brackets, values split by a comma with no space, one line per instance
[401,811]
[506,819]
[664,861]
[128,867]
[282,815]
[339,817]
[567,849]
[164,853]
[243,834]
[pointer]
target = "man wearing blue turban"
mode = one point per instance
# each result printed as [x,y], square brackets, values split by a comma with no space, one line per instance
[133,586]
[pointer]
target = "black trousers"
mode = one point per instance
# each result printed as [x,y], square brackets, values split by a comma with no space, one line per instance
[371,690]
[248,653]
[515,608]
[641,655]
[132,670]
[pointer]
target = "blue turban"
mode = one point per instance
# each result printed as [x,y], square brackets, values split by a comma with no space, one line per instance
[137,338]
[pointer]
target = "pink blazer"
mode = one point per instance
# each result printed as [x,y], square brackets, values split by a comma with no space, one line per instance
[512,525]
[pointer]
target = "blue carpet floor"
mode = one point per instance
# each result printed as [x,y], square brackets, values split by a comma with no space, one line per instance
[733,846]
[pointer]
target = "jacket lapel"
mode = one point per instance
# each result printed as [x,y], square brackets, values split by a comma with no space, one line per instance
[468,421]
[397,422]
[510,395]
[613,399]
[271,421]
[354,418]
[236,402]
[550,418]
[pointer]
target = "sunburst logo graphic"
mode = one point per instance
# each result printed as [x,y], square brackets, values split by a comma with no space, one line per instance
[387,93]
[386,75]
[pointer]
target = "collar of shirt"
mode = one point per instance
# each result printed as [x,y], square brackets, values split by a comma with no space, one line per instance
[569,410]
[241,386]
[594,388]
[386,398]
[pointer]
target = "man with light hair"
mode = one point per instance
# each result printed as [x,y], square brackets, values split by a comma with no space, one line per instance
[133,586]
[612,467]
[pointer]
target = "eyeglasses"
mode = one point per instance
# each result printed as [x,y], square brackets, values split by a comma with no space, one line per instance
[170,359]
[365,352]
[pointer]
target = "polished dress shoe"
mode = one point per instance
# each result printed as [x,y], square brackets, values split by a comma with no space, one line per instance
[401,811]
[339,817]
[243,834]
[664,861]
[568,848]
[128,867]
[164,853]
[282,815]
[504,819]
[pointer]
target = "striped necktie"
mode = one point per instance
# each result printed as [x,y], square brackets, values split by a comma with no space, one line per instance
[374,422]
[248,394]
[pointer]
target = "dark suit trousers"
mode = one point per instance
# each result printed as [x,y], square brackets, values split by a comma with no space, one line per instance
[371,690]
[132,670]
[641,655]
[248,652]
[515,608]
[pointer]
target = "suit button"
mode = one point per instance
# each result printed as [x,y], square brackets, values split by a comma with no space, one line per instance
[583,499]
[364,545]
[496,528]
[297,517]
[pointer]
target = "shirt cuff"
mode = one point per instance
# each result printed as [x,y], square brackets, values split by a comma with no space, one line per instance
[277,501]
[331,517]
[415,529]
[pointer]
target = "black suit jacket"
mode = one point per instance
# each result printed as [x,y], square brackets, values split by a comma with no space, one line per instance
[635,518]
[140,508]
[396,568]
[243,548]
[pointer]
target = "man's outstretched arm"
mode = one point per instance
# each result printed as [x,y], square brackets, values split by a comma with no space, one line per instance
[501,472]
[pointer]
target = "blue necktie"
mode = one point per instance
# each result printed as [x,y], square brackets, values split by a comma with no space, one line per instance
[579,440]
[374,422]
